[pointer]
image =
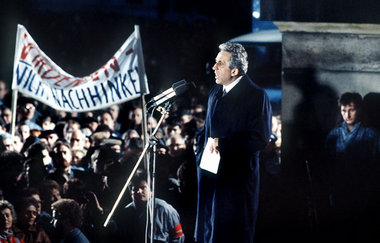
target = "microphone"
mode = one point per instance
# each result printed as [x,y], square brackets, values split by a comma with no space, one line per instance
[169,91]
[178,88]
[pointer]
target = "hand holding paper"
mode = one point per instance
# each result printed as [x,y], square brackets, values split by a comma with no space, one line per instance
[211,157]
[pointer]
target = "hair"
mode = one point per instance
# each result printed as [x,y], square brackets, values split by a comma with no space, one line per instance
[29,191]
[26,202]
[75,189]
[35,150]
[46,186]
[139,176]
[348,97]
[106,112]
[2,123]
[239,56]
[68,209]
[5,136]
[4,204]
[60,143]
[135,143]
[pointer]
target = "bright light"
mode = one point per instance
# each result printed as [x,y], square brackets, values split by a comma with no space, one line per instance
[256,14]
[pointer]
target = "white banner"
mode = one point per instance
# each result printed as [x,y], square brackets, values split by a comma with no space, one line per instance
[121,79]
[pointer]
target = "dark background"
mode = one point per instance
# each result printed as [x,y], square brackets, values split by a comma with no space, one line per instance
[179,38]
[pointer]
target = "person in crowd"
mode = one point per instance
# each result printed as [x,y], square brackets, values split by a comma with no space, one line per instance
[3,91]
[33,192]
[353,155]
[70,126]
[77,139]
[130,133]
[7,221]
[151,123]
[24,129]
[3,126]
[17,142]
[26,112]
[6,115]
[49,137]
[174,128]
[135,119]
[78,155]
[115,110]
[49,192]
[132,152]
[11,166]
[6,142]
[92,123]
[38,164]
[26,227]
[93,212]
[107,119]
[105,163]
[183,197]
[176,153]
[62,157]
[67,220]
[237,127]
[132,223]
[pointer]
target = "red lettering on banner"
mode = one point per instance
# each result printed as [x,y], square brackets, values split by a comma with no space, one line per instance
[25,50]
[48,71]
[95,77]
[115,66]
[105,72]
[75,82]
[129,51]
[61,80]
[41,63]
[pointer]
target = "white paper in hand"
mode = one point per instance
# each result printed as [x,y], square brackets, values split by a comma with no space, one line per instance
[210,161]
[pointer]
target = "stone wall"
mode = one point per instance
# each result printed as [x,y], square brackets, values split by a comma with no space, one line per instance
[320,61]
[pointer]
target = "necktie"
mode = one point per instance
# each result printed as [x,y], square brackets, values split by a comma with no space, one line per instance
[224,93]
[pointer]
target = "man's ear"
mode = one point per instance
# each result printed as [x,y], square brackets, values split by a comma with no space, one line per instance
[234,72]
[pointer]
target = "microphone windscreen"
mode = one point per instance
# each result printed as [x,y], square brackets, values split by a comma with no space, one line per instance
[179,83]
[183,88]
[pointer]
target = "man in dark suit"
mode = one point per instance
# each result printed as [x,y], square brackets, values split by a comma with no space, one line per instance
[238,122]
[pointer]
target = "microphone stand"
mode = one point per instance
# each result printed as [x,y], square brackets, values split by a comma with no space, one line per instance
[150,144]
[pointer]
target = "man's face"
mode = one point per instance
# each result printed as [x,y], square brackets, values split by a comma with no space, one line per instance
[9,144]
[107,120]
[3,90]
[136,116]
[28,111]
[51,139]
[17,143]
[6,219]
[55,195]
[174,130]
[64,156]
[176,147]
[114,111]
[349,113]
[141,193]
[38,198]
[223,74]
[25,132]
[29,215]
[77,139]
[7,116]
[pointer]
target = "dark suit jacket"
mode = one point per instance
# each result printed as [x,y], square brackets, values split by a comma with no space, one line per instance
[228,201]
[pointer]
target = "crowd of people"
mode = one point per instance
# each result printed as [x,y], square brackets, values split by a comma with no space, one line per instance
[58,158]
